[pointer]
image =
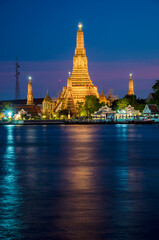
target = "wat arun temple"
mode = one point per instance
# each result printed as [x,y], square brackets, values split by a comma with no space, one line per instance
[79,83]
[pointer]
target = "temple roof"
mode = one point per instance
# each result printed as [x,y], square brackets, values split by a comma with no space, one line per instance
[104,110]
[37,101]
[153,108]
[102,94]
[47,98]
[31,109]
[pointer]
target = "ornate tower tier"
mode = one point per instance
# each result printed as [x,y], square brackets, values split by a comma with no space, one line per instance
[69,101]
[131,86]
[30,100]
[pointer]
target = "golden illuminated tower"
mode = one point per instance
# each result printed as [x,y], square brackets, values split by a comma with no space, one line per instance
[131,86]
[81,82]
[30,100]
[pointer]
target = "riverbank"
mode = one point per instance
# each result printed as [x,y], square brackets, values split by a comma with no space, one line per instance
[81,122]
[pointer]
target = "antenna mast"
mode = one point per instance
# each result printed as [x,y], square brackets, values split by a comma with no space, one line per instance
[17,87]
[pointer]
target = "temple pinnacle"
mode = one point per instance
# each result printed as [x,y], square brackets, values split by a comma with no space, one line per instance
[30,78]
[80,25]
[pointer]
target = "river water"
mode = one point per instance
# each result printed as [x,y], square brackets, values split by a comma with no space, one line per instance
[79,182]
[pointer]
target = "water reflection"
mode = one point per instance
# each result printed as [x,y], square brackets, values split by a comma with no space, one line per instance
[10,199]
[122,130]
[80,208]
[78,182]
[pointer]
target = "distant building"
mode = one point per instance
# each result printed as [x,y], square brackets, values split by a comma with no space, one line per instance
[26,111]
[151,110]
[22,114]
[131,86]
[26,107]
[48,106]
[131,110]
[37,101]
[102,98]
[30,109]
[128,112]
[150,97]
[104,113]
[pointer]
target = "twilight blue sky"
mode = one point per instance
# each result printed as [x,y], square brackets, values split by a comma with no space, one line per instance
[121,36]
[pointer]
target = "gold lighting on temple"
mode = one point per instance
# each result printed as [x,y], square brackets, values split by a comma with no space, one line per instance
[30,100]
[131,86]
[79,83]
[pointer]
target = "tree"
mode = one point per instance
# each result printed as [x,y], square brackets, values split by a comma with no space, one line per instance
[80,108]
[63,113]
[91,105]
[155,87]
[1,115]
[131,99]
[122,103]
[155,99]
[6,107]
[115,105]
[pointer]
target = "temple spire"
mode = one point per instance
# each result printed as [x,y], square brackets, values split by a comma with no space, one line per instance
[131,86]
[47,93]
[102,94]
[30,100]
[102,97]
[80,37]
[80,25]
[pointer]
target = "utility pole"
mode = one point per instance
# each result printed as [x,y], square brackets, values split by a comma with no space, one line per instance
[17,87]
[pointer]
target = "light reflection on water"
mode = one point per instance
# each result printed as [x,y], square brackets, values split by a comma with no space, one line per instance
[10,201]
[79,182]
[83,207]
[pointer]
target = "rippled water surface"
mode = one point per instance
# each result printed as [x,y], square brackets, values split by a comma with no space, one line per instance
[79,182]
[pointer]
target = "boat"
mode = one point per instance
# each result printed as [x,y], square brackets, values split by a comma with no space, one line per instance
[143,121]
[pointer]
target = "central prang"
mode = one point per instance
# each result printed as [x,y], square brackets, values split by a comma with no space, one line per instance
[79,84]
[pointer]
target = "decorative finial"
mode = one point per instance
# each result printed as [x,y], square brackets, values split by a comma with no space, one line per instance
[69,73]
[30,78]
[80,25]
[130,75]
